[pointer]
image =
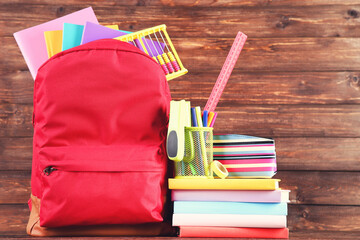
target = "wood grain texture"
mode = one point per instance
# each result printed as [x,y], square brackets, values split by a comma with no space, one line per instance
[263,120]
[13,218]
[242,88]
[215,21]
[297,81]
[16,120]
[16,153]
[325,154]
[272,87]
[326,188]
[261,54]
[191,3]
[14,187]
[290,121]
[307,187]
[334,154]
[16,87]
[324,218]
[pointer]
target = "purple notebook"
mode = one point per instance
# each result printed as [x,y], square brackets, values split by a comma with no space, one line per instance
[230,195]
[94,32]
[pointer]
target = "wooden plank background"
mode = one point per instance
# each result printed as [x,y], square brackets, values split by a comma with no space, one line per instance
[297,81]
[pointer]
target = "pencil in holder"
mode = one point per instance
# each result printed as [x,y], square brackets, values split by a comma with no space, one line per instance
[198,154]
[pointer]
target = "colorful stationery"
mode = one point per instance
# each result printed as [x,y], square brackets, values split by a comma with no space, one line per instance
[94,32]
[226,71]
[193,117]
[205,118]
[210,118]
[189,153]
[213,119]
[115,27]
[225,184]
[153,42]
[246,156]
[233,232]
[198,116]
[230,195]
[72,34]
[196,136]
[53,40]
[202,141]
[242,208]
[179,119]
[31,40]
[229,220]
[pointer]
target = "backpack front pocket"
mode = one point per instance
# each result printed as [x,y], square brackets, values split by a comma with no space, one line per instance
[101,185]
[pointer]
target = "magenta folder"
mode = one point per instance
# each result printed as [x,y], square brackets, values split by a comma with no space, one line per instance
[94,32]
[32,43]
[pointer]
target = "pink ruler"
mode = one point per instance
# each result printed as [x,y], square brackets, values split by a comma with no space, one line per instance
[226,71]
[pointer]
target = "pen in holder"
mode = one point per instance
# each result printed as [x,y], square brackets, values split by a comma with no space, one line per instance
[198,154]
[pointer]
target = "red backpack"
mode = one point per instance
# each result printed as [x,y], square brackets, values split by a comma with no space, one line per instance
[100,123]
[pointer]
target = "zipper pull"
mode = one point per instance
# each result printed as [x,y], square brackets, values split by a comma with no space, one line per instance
[47,171]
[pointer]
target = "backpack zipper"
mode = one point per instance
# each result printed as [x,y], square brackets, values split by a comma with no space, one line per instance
[47,171]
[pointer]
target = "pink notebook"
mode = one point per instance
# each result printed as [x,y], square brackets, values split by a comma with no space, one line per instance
[31,41]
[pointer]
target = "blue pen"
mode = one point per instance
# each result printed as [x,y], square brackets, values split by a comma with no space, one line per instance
[193,117]
[205,118]
[197,137]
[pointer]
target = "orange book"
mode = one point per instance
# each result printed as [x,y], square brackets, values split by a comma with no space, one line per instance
[233,232]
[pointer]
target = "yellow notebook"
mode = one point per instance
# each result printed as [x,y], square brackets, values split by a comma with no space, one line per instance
[53,41]
[115,27]
[224,184]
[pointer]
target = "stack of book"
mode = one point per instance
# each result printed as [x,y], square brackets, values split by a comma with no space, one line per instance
[249,208]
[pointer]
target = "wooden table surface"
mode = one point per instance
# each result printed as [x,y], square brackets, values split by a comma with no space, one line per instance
[297,81]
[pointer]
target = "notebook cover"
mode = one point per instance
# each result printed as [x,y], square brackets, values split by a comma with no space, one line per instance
[229,220]
[246,156]
[210,232]
[241,208]
[230,195]
[236,138]
[53,40]
[234,145]
[94,32]
[32,43]
[224,184]
[115,27]
[72,34]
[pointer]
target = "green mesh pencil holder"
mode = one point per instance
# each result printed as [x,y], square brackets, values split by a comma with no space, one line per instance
[198,154]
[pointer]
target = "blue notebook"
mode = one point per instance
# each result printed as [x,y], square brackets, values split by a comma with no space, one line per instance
[241,208]
[72,34]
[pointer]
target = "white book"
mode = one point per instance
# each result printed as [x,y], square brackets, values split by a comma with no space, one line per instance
[229,220]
